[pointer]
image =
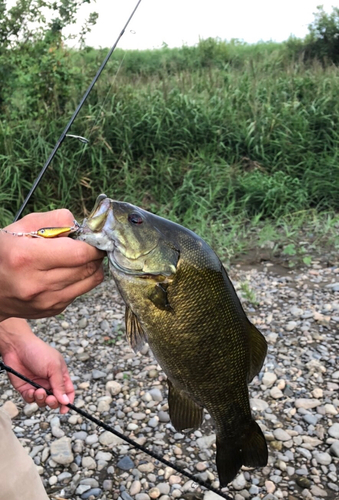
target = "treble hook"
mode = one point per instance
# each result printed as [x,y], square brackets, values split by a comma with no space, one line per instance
[79,137]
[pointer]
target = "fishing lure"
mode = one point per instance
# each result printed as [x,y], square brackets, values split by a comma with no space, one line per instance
[46,232]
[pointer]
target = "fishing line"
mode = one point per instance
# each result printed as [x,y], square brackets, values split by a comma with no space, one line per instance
[118,434]
[75,114]
[86,141]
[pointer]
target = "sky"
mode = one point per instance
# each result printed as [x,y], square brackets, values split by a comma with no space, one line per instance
[178,22]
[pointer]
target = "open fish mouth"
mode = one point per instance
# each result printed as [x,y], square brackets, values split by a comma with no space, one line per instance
[96,229]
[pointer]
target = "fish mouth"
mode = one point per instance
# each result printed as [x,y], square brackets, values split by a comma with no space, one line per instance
[95,229]
[98,217]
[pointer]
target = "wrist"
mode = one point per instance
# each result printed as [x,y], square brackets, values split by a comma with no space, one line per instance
[13,331]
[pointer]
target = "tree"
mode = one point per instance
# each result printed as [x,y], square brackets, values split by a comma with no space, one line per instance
[323,39]
[33,57]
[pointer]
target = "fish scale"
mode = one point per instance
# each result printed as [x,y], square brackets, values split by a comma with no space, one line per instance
[180,300]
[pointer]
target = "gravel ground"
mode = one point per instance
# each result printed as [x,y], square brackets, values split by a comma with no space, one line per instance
[295,399]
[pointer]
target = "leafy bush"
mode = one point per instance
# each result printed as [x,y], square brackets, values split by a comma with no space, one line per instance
[323,40]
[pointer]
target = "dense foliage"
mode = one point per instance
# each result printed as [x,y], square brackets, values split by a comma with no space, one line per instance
[197,133]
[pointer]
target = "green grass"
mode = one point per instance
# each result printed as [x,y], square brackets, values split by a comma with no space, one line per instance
[225,138]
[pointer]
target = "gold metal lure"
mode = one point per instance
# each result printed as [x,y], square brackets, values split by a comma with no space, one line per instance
[53,232]
[46,232]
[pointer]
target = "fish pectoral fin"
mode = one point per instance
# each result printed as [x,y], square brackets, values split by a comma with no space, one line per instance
[250,450]
[258,351]
[158,296]
[135,334]
[183,411]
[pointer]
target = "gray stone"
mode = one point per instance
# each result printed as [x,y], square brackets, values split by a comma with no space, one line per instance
[164,488]
[82,323]
[92,492]
[125,496]
[80,435]
[82,488]
[61,451]
[317,491]
[104,325]
[281,435]
[107,484]
[30,409]
[135,488]
[156,395]
[153,422]
[307,404]
[239,482]
[109,439]
[258,404]
[142,496]
[209,495]
[305,453]
[269,379]
[91,439]
[90,481]
[98,374]
[113,387]
[163,416]
[57,432]
[322,457]
[125,463]
[64,477]
[206,441]
[104,404]
[334,431]
[335,449]
[103,455]
[291,325]
[88,463]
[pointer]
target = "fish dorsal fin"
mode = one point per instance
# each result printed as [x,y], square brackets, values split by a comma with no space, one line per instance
[134,331]
[184,412]
[258,351]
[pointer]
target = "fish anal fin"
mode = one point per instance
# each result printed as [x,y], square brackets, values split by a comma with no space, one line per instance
[251,451]
[184,412]
[258,351]
[135,334]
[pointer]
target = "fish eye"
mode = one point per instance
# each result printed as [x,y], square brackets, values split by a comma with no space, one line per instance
[135,219]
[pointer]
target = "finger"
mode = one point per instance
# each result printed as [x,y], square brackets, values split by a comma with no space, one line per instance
[27,395]
[81,287]
[57,381]
[59,279]
[35,221]
[40,397]
[64,252]
[52,402]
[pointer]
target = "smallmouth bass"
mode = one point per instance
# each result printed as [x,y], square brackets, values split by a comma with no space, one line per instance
[180,300]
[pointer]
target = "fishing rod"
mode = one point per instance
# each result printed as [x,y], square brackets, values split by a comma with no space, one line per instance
[71,121]
[195,479]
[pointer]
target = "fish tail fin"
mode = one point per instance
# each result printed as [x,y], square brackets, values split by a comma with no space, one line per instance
[231,455]
[254,450]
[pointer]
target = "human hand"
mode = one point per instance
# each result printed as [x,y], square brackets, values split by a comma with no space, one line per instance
[39,277]
[27,354]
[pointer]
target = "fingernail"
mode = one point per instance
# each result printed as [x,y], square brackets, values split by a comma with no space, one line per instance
[40,397]
[65,399]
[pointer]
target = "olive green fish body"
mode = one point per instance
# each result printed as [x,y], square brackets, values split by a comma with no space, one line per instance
[180,300]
